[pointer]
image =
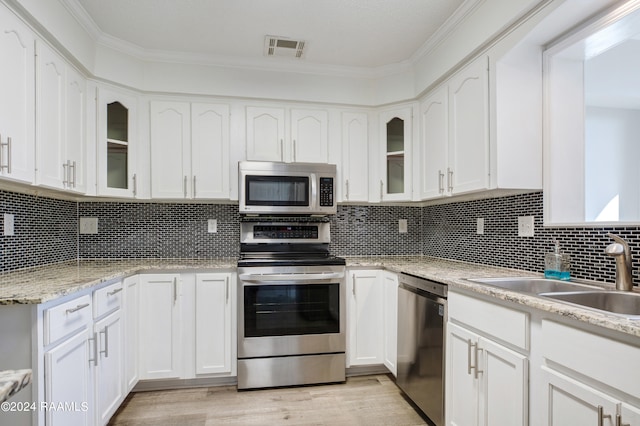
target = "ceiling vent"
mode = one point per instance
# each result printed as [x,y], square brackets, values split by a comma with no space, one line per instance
[281,46]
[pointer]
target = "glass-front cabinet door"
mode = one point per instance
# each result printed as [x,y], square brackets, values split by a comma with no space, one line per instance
[395,176]
[116,143]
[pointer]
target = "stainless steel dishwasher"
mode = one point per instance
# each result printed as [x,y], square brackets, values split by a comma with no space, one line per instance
[422,317]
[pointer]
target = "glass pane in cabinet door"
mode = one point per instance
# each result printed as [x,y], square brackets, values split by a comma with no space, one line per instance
[117,165]
[395,174]
[117,145]
[395,135]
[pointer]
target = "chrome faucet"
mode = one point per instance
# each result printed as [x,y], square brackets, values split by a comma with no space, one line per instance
[621,252]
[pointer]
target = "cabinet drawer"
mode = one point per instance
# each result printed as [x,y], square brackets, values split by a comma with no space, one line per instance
[606,360]
[508,325]
[66,318]
[107,299]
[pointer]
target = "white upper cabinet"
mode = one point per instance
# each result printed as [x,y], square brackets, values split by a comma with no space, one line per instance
[355,159]
[17,119]
[60,129]
[301,137]
[189,150]
[434,123]
[116,145]
[396,136]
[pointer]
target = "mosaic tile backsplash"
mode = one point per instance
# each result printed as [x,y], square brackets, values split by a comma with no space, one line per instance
[46,232]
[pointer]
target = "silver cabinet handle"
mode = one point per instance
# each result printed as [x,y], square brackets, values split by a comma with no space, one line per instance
[477,368]
[95,349]
[440,181]
[294,150]
[619,421]
[77,308]
[469,365]
[346,196]
[602,416]
[8,145]
[73,179]
[175,290]
[226,293]
[281,149]
[184,187]
[114,292]
[194,186]
[65,172]
[135,184]
[449,179]
[381,189]
[353,287]
[106,342]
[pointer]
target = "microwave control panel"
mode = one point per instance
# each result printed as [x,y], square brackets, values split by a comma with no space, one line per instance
[326,192]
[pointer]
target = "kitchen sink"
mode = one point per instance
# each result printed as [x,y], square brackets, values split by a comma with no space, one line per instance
[535,285]
[616,302]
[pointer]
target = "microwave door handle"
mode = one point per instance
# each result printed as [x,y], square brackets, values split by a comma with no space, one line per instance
[313,201]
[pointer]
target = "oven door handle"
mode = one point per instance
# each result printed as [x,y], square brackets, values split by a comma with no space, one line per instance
[290,277]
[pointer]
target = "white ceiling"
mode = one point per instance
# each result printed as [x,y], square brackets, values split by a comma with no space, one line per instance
[363,34]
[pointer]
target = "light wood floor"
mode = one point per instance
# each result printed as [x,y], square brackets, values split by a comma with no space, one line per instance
[364,400]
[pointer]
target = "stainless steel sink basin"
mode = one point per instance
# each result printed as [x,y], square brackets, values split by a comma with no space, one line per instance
[534,285]
[616,302]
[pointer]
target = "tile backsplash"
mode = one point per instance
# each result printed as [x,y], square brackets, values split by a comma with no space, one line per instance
[46,231]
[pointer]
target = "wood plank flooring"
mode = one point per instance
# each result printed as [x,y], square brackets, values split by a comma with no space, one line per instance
[363,400]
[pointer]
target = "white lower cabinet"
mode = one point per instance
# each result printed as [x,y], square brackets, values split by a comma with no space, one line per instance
[110,389]
[187,325]
[588,379]
[215,327]
[131,286]
[364,317]
[160,343]
[486,382]
[390,318]
[69,379]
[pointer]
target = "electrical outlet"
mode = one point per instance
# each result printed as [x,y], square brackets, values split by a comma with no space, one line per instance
[8,225]
[402,226]
[212,226]
[525,226]
[480,226]
[88,225]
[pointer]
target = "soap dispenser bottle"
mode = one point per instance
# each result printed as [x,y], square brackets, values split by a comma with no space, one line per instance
[557,264]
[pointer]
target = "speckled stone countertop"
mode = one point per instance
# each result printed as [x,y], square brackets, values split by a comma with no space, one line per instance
[43,284]
[455,274]
[12,382]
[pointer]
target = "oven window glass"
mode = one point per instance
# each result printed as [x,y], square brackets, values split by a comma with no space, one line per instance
[295,309]
[277,190]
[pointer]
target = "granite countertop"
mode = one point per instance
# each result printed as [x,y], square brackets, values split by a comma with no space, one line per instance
[46,283]
[12,382]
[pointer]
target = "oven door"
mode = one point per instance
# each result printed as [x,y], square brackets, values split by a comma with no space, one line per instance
[291,311]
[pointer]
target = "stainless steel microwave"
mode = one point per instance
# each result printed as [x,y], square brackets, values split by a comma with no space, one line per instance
[268,188]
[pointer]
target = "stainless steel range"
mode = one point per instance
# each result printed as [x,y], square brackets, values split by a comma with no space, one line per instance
[291,312]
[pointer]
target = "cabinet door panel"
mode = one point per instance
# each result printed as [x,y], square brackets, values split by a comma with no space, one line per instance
[462,388]
[309,136]
[571,403]
[131,332]
[469,139]
[390,297]
[210,151]
[355,157]
[170,133]
[50,119]
[69,379]
[109,371]
[435,140]
[160,336]
[215,299]
[365,319]
[17,105]
[265,134]
[505,378]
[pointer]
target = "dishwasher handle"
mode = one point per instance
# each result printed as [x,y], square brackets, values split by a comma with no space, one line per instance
[422,286]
